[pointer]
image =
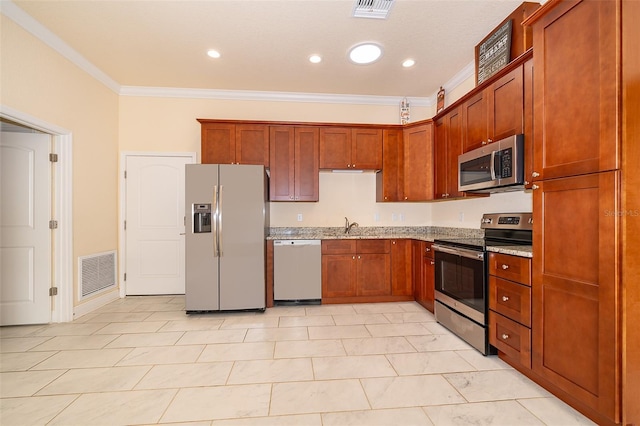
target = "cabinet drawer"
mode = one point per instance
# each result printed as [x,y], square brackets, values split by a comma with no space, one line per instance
[510,299]
[512,268]
[373,246]
[511,338]
[338,246]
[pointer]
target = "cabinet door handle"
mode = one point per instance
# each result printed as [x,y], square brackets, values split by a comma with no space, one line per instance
[432,262]
[505,298]
[535,187]
[535,174]
[354,258]
[505,336]
[505,266]
[489,140]
[427,249]
[359,257]
[483,143]
[353,165]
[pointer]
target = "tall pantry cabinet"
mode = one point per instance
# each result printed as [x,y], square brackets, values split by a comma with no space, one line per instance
[586,292]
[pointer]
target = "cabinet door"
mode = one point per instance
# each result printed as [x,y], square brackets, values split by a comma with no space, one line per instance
[529,176]
[440,159]
[366,149]
[252,144]
[339,275]
[401,268]
[307,142]
[575,281]
[417,254]
[505,103]
[218,143]
[454,149]
[474,112]
[281,182]
[374,274]
[428,282]
[576,79]
[418,163]
[335,148]
[389,179]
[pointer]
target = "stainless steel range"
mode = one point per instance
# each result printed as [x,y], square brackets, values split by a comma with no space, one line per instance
[461,275]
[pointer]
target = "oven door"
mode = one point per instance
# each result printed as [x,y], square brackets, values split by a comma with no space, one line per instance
[460,281]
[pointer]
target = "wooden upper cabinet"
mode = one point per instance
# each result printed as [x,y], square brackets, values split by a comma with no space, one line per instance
[229,143]
[505,106]
[350,148]
[529,176]
[294,163]
[448,146]
[475,123]
[418,163]
[389,179]
[575,80]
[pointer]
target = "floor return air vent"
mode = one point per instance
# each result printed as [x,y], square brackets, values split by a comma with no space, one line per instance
[97,273]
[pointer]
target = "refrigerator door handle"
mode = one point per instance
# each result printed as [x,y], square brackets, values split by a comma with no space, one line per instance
[216,248]
[220,204]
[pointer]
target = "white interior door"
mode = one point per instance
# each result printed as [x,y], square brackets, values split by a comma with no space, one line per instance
[25,210]
[154,214]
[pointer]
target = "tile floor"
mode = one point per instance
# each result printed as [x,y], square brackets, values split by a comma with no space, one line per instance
[142,360]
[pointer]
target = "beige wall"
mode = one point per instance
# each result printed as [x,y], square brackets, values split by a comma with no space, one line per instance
[37,81]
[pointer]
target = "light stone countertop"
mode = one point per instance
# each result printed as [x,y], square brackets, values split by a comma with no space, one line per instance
[522,251]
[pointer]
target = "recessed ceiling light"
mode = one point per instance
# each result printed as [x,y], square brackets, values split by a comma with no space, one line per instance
[213,53]
[315,59]
[408,63]
[365,53]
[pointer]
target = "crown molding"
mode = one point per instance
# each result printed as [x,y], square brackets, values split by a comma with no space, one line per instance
[27,22]
[249,95]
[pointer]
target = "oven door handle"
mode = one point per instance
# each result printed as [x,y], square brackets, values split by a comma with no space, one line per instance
[471,254]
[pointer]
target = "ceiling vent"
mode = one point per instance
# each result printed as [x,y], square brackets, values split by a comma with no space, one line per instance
[377,9]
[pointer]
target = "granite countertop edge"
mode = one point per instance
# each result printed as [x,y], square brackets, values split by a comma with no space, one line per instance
[522,251]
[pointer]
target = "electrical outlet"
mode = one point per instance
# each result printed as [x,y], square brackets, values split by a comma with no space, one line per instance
[299,217]
[461,216]
[401,217]
[394,217]
[376,217]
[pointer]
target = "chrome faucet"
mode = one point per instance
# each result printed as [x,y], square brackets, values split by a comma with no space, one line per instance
[348,226]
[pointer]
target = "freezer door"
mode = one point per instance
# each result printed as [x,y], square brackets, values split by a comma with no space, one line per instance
[242,237]
[201,274]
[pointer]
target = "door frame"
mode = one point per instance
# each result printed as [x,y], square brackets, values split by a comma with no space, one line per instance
[62,261]
[122,241]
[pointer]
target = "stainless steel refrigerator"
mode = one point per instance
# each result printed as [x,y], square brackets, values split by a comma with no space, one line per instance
[226,226]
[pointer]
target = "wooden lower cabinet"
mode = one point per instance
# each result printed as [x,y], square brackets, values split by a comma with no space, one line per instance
[423,274]
[368,270]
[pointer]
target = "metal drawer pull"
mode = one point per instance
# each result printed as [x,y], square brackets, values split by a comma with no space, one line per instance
[505,298]
[505,266]
[505,336]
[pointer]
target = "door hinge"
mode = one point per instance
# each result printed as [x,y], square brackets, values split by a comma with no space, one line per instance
[125,276]
[125,225]
[53,158]
[53,291]
[125,174]
[53,224]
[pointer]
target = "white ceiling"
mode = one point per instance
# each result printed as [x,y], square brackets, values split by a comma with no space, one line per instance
[265,45]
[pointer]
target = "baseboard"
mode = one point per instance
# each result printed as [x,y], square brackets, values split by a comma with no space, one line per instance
[93,304]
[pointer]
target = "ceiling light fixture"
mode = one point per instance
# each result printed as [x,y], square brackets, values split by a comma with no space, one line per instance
[408,63]
[365,53]
[315,59]
[213,53]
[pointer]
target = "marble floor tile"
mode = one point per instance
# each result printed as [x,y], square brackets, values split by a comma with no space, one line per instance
[120,317]
[352,367]
[113,408]
[133,327]
[292,420]
[26,383]
[438,342]
[20,361]
[64,343]
[495,385]
[392,417]
[330,310]
[377,345]
[161,355]
[410,391]
[412,307]
[377,308]
[237,351]
[166,316]
[360,319]
[271,371]
[86,380]
[481,362]
[32,411]
[406,329]
[436,328]
[21,344]
[192,325]
[276,334]
[70,329]
[212,336]
[186,375]
[254,321]
[88,358]
[309,348]
[134,340]
[19,330]
[306,321]
[286,311]
[495,413]
[338,332]
[553,412]
[317,397]
[219,402]
[428,363]
[399,318]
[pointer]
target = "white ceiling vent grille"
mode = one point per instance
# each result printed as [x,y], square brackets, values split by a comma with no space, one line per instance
[97,273]
[377,9]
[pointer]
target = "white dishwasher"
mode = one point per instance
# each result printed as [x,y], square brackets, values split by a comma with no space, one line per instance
[297,272]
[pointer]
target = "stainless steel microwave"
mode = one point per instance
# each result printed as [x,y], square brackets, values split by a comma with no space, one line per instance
[497,167]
